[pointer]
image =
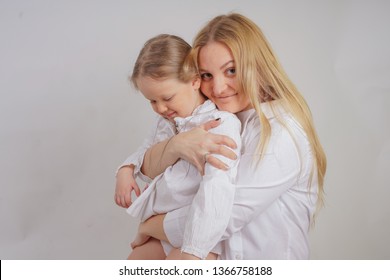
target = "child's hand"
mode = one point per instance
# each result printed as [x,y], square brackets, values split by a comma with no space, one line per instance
[125,184]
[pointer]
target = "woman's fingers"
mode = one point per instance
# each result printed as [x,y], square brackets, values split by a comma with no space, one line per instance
[196,143]
[210,124]
[223,140]
[216,163]
[218,139]
[200,167]
[224,151]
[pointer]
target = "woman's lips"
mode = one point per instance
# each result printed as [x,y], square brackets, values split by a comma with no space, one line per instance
[225,98]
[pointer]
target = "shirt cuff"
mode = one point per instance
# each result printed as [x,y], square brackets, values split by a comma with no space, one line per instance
[137,160]
[195,252]
[144,178]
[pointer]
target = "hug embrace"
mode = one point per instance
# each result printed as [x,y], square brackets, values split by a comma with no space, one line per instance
[234,166]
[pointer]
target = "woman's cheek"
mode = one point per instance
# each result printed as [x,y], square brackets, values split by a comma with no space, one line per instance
[206,90]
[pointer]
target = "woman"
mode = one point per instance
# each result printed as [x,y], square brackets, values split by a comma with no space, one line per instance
[281,173]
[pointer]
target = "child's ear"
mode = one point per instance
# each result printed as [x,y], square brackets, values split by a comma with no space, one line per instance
[196,83]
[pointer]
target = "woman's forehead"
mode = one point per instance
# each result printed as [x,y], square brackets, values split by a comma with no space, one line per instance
[215,55]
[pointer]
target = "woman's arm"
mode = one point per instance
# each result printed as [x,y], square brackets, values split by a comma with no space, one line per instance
[260,184]
[215,189]
[190,146]
[211,206]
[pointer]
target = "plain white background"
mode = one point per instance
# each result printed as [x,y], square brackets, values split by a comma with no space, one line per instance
[69,117]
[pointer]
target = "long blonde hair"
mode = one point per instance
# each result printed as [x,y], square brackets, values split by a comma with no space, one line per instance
[262,78]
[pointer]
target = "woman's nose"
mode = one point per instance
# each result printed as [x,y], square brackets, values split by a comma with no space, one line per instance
[219,86]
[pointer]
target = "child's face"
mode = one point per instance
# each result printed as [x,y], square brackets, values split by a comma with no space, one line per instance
[171,98]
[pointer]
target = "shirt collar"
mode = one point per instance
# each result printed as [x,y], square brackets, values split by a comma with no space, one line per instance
[270,110]
[206,107]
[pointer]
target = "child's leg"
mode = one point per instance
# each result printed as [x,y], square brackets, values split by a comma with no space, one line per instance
[151,250]
[175,254]
[211,256]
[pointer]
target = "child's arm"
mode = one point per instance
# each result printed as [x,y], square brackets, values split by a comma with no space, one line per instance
[125,184]
[131,167]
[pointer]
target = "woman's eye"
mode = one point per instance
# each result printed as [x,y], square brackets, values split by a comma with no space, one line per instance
[168,99]
[231,71]
[205,76]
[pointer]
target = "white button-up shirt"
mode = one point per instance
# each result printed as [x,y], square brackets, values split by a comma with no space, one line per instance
[274,200]
[210,197]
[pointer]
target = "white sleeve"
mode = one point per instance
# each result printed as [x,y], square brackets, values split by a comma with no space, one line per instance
[259,185]
[250,200]
[286,165]
[211,208]
[161,130]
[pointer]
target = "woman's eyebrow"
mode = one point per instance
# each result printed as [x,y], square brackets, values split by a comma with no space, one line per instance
[222,66]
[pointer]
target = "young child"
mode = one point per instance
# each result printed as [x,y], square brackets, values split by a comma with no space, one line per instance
[175,96]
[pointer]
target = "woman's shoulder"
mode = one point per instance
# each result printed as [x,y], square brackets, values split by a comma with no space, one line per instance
[225,115]
[227,119]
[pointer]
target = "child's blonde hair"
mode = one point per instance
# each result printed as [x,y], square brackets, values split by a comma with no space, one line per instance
[162,57]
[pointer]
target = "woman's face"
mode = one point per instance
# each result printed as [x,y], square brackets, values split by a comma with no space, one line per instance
[171,98]
[219,81]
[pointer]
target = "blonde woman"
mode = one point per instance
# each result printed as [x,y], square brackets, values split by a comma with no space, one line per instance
[279,184]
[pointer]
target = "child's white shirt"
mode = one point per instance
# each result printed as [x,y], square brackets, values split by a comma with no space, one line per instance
[211,196]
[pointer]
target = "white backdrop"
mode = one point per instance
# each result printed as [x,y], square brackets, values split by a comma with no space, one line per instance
[69,117]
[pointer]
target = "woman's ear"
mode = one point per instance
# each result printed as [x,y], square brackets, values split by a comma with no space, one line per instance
[196,83]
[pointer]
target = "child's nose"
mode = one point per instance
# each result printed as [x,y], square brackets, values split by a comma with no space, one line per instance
[161,108]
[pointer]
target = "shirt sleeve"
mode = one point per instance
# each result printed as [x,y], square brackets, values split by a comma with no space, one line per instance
[211,208]
[260,184]
[161,130]
[285,167]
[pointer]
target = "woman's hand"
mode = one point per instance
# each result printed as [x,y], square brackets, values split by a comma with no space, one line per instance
[195,144]
[125,184]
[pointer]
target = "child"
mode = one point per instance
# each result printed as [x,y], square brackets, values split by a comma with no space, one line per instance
[175,96]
